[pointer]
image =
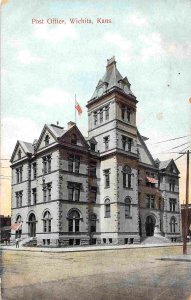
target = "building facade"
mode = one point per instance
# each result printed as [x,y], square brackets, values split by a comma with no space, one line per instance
[104,189]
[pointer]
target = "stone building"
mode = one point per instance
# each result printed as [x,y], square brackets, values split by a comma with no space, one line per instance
[104,189]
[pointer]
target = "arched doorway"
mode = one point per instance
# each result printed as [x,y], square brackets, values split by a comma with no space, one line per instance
[18,232]
[32,225]
[150,226]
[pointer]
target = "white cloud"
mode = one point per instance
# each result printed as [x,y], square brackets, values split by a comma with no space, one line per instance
[26,57]
[137,20]
[179,50]
[51,97]
[56,34]
[14,129]
[152,46]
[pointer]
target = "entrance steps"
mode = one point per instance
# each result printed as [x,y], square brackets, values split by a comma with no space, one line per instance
[158,239]
[29,241]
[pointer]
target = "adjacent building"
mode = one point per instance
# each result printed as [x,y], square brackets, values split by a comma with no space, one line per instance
[104,189]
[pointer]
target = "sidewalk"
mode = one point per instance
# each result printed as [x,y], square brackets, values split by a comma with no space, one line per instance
[184,258]
[87,248]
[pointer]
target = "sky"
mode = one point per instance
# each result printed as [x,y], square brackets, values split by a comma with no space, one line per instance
[45,65]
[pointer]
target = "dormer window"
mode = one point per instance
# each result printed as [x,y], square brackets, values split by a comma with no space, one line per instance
[92,146]
[19,154]
[47,140]
[73,139]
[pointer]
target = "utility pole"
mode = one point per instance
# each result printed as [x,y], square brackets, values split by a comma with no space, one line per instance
[185,223]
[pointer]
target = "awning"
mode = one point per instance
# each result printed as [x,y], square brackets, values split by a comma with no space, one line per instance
[151,180]
[16,226]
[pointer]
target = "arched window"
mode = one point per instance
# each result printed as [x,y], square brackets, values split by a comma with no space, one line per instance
[127,207]
[127,174]
[19,154]
[18,219]
[47,139]
[47,222]
[73,139]
[93,220]
[74,221]
[107,208]
[173,225]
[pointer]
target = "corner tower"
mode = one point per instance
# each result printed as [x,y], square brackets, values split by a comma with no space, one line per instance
[112,128]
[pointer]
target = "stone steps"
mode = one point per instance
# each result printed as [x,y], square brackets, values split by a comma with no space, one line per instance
[155,240]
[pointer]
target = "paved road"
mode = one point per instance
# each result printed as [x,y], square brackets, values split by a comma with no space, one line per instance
[101,275]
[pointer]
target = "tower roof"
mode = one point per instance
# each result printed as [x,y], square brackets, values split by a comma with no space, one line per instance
[112,79]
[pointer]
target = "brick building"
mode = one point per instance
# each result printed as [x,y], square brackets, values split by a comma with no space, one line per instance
[104,189]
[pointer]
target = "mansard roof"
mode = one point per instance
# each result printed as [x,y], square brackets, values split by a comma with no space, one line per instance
[112,79]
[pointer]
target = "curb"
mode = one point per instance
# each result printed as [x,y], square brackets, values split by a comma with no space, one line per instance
[58,250]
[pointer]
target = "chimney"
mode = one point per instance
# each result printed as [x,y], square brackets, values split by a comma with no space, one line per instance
[111,62]
[70,124]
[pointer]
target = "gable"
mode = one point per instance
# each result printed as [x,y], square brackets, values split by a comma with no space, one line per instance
[144,155]
[19,152]
[46,138]
[71,135]
[172,168]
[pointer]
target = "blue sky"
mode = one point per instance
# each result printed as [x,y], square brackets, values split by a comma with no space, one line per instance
[44,66]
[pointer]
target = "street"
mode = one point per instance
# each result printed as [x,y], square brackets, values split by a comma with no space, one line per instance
[109,274]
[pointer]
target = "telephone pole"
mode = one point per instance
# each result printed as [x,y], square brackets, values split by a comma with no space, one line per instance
[185,222]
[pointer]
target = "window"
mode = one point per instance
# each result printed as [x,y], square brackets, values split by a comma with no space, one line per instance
[107,112]
[95,118]
[173,225]
[107,178]
[172,204]
[74,139]
[107,208]
[47,192]
[74,221]
[46,140]
[19,196]
[92,169]
[46,160]
[128,115]
[47,222]
[123,108]
[150,199]
[34,170]
[19,174]
[34,196]
[127,207]
[101,115]
[106,141]
[126,143]
[93,221]
[73,163]
[74,191]
[19,154]
[93,193]
[172,185]
[127,174]
[92,146]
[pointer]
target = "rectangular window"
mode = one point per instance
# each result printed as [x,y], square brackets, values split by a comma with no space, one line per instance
[129,142]
[106,141]
[172,185]
[19,196]
[123,108]
[93,191]
[128,115]
[46,161]
[70,163]
[74,191]
[34,196]
[107,210]
[107,178]
[107,112]
[127,180]
[77,164]
[34,170]
[101,115]
[49,191]
[44,195]
[172,204]
[92,169]
[92,146]
[150,200]
[95,118]
[19,174]
[124,142]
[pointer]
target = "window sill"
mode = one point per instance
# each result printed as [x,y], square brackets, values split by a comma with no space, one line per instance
[130,217]
[107,217]
[128,188]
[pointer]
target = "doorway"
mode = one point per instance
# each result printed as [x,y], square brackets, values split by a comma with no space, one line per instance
[32,225]
[150,226]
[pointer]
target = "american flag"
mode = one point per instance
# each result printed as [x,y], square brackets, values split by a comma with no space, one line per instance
[78,108]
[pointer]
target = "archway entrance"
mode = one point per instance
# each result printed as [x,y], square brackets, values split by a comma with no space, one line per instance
[149,226]
[32,225]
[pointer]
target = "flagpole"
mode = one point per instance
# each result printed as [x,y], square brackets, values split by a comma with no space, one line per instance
[75,108]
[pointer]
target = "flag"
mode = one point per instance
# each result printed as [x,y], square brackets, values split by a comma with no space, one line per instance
[78,108]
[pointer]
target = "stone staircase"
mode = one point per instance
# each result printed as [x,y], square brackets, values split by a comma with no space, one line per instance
[29,242]
[158,239]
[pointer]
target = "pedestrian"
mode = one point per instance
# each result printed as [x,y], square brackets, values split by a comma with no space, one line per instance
[17,242]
